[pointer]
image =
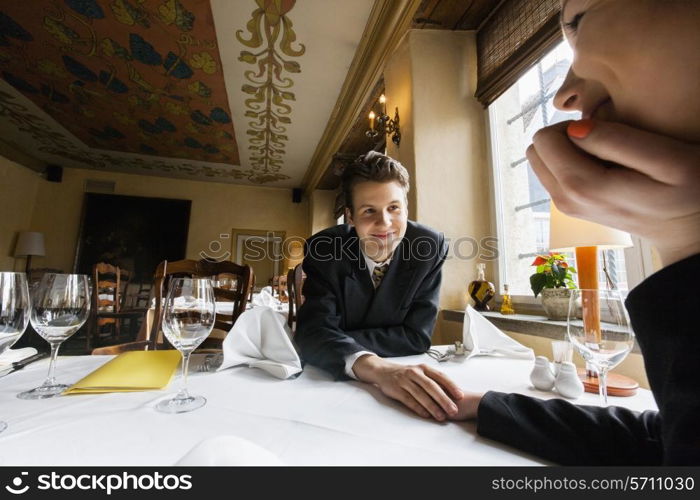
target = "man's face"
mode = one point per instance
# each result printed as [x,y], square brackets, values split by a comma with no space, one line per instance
[380,213]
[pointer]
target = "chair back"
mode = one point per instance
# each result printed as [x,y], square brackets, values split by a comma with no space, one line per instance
[242,276]
[109,284]
[295,285]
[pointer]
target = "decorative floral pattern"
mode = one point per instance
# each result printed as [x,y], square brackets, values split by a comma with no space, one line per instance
[136,76]
[268,106]
[56,143]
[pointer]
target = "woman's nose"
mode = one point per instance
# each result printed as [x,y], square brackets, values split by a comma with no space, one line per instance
[568,97]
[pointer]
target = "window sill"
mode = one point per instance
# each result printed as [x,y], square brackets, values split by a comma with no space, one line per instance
[526,324]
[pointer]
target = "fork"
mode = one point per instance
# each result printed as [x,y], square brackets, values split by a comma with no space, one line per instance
[210,363]
[440,356]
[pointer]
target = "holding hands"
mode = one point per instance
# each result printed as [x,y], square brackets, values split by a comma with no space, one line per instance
[626,178]
[424,390]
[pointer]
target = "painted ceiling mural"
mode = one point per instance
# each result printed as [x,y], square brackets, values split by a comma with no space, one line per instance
[204,89]
[269,83]
[141,77]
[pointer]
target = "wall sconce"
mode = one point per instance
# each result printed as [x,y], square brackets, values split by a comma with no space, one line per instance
[382,124]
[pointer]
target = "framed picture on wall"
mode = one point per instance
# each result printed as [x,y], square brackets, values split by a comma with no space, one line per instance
[133,232]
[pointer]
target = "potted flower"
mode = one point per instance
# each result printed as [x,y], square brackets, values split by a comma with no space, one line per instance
[553,279]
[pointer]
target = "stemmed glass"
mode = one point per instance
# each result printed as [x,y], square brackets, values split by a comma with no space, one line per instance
[604,336]
[14,312]
[60,306]
[188,318]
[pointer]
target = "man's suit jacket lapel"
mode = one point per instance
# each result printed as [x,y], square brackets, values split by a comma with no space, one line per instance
[358,288]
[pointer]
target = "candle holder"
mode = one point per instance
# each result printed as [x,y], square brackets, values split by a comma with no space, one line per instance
[383,124]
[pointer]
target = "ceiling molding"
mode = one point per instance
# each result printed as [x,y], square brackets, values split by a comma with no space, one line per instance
[387,24]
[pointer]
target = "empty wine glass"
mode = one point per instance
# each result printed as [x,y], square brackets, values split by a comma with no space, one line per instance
[60,306]
[188,318]
[604,336]
[14,312]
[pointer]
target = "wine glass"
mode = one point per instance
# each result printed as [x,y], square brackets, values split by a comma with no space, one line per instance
[14,312]
[188,318]
[60,306]
[604,336]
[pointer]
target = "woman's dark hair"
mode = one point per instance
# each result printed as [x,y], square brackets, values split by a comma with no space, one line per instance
[375,167]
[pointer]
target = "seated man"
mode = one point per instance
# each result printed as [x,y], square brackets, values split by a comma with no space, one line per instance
[372,291]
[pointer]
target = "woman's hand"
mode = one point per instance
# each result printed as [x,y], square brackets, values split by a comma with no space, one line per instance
[626,178]
[424,390]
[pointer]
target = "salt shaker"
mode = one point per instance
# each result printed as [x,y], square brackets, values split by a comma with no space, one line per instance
[567,383]
[542,376]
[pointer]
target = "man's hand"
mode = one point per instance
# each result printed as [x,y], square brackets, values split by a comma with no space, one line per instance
[626,178]
[421,388]
[468,406]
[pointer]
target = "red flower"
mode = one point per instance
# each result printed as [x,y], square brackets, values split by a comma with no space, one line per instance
[539,261]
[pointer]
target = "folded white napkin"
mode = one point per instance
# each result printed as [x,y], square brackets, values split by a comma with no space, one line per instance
[265,298]
[228,450]
[13,355]
[260,338]
[481,338]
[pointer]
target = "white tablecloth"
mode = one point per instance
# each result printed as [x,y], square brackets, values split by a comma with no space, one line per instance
[310,420]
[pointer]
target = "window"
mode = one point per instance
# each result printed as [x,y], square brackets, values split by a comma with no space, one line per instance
[522,203]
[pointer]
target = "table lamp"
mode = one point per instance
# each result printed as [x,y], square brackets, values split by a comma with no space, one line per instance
[586,239]
[29,244]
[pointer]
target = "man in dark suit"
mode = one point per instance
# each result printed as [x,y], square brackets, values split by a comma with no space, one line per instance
[372,291]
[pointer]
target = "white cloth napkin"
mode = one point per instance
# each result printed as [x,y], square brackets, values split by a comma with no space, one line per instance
[481,338]
[260,338]
[265,298]
[228,450]
[13,355]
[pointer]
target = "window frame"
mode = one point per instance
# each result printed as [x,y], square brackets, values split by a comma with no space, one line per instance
[639,260]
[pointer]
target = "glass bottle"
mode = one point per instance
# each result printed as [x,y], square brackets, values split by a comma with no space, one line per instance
[480,290]
[507,305]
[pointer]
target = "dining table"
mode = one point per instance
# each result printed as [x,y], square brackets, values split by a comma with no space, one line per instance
[308,420]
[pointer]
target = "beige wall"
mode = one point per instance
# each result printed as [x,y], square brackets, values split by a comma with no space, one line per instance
[432,79]
[216,209]
[18,188]
[321,207]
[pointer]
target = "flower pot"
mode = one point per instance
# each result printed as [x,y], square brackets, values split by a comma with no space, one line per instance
[556,303]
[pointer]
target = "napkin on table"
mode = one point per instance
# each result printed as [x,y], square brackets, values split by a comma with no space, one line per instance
[265,298]
[260,338]
[228,450]
[13,355]
[481,338]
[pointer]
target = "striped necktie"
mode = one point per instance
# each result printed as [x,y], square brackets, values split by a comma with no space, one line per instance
[378,274]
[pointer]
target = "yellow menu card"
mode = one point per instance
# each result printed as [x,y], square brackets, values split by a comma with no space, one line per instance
[130,371]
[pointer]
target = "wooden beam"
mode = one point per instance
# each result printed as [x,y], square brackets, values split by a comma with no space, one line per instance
[387,24]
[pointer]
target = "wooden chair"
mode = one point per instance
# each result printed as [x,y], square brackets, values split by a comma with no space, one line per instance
[295,285]
[109,284]
[154,338]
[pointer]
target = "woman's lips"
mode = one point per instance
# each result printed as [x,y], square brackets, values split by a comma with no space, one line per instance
[601,111]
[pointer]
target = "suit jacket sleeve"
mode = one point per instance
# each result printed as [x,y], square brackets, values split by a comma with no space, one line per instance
[325,344]
[570,434]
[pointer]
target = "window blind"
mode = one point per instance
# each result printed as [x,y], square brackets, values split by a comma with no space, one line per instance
[517,34]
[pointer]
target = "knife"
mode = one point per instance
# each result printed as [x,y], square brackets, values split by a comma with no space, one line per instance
[18,365]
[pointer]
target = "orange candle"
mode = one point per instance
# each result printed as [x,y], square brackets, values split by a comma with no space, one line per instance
[587,267]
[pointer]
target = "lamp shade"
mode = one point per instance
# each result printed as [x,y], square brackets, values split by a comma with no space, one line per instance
[30,243]
[567,233]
